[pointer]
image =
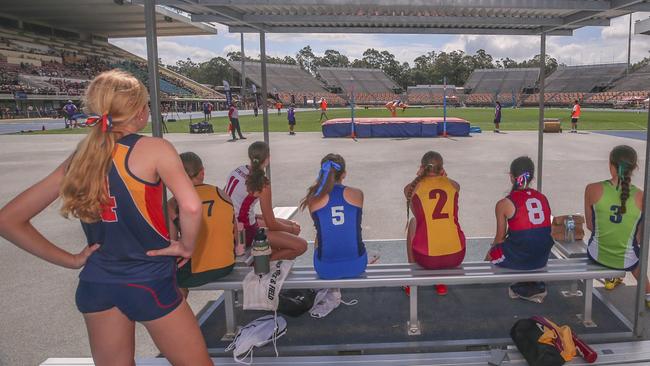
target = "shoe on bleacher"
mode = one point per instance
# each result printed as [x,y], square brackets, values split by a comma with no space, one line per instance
[611,283]
[441,289]
[407,290]
[530,291]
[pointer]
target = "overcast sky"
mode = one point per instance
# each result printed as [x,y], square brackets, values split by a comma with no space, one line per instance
[589,45]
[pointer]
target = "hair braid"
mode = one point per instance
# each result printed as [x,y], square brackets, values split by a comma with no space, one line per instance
[625,190]
[624,160]
[411,188]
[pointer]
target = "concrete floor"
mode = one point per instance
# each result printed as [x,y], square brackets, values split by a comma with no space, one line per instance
[39,318]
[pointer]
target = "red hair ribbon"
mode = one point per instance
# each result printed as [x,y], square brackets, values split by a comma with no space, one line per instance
[105,119]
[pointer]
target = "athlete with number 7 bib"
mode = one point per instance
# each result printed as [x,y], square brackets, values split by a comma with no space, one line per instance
[523,239]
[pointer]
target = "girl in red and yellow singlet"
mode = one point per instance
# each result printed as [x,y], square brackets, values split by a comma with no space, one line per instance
[434,239]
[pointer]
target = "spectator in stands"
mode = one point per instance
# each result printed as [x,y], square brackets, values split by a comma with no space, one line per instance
[613,212]
[213,256]
[136,257]
[323,109]
[432,197]
[336,211]
[70,110]
[497,116]
[278,106]
[233,116]
[575,115]
[291,117]
[246,186]
[523,236]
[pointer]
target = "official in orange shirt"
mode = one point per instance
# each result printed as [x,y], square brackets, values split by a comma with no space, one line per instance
[434,239]
[323,109]
[575,115]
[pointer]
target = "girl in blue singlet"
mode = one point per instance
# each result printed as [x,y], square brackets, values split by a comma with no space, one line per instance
[336,211]
[113,183]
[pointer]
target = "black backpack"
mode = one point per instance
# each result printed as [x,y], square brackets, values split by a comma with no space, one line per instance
[296,302]
[525,333]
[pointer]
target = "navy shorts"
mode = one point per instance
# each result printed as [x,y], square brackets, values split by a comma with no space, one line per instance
[141,301]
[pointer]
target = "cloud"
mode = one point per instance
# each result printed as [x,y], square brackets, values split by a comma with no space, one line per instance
[590,45]
[609,45]
[168,51]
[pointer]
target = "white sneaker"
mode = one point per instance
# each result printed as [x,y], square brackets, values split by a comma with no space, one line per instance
[257,333]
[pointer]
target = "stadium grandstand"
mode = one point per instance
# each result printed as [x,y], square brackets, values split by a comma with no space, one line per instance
[629,91]
[42,67]
[594,85]
[431,94]
[287,81]
[371,86]
[485,86]
[585,78]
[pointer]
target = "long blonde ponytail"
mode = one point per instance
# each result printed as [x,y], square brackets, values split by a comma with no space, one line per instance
[84,191]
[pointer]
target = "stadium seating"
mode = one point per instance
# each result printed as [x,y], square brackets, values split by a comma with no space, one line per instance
[584,79]
[562,99]
[496,81]
[287,80]
[486,86]
[431,94]
[371,86]
[636,81]
[480,99]
[39,65]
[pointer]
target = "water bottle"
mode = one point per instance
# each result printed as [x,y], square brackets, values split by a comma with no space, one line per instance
[570,226]
[261,253]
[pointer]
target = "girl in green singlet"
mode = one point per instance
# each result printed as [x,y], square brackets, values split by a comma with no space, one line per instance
[614,209]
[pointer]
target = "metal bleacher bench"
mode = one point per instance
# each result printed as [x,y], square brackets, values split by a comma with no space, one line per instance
[396,275]
[628,353]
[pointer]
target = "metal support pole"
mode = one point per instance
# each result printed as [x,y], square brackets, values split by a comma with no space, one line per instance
[243,72]
[629,46]
[152,61]
[640,308]
[154,81]
[587,320]
[444,106]
[231,320]
[413,323]
[265,107]
[540,132]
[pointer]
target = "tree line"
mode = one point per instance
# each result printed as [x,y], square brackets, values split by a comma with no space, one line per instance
[429,68]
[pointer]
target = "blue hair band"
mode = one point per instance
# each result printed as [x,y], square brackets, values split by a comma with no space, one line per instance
[324,173]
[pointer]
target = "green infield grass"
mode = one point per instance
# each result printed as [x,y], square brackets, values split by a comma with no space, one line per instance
[512,119]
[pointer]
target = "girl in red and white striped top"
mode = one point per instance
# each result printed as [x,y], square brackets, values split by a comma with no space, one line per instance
[248,184]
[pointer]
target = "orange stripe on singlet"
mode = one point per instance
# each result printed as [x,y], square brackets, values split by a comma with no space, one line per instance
[146,197]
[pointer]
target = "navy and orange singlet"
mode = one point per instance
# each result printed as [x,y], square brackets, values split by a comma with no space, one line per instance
[132,224]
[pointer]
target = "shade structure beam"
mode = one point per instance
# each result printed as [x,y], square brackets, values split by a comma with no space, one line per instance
[640,307]
[265,104]
[152,66]
[540,126]
[271,19]
[482,4]
[404,30]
